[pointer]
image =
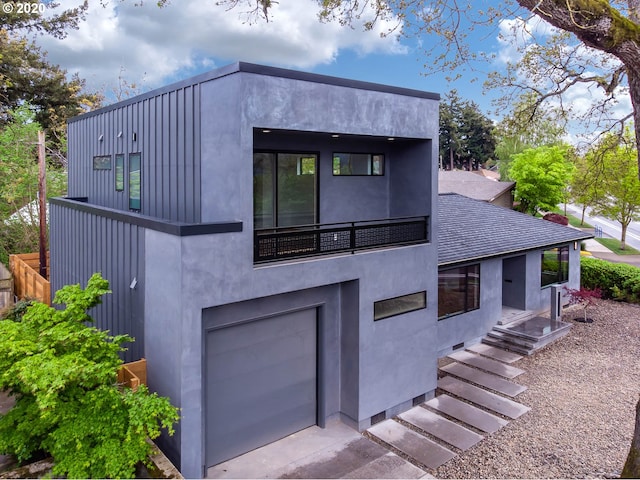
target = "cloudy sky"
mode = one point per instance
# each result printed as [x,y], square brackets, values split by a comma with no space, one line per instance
[152,46]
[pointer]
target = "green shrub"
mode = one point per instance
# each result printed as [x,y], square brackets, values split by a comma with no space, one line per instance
[619,281]
[63,374]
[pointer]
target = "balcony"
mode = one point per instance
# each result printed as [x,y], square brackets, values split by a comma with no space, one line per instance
[271,244]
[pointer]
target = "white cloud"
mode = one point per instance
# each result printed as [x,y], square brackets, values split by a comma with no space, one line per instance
[186,36]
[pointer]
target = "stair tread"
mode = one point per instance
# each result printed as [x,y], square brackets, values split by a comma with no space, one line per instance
[442,428]
[423,450]
[479,396]
[485,379]
[495,353]
[486,364]
[466,413]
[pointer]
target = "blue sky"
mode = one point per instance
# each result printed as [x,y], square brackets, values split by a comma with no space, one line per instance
[152,46]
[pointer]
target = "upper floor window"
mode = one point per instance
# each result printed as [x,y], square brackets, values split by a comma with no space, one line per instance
[102,162]
[358,164]
[555,266]
[458,290]
[134,181]
[119,172]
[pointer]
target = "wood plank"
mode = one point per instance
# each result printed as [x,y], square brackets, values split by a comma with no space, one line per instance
[486,364]
[479,396]
[484,379]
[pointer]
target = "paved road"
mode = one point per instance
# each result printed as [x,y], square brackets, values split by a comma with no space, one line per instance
[609,227]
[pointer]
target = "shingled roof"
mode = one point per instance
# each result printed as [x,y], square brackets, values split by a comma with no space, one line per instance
[471,229]
[471,185]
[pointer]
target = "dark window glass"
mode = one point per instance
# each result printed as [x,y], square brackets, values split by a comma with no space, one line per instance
[119,172]
[134,181]
[399,305]
[358,164]
[284,189]
[102,162]
[555,266]
[458,290]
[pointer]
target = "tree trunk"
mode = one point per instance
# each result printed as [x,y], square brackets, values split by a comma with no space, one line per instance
[584,210]
[632,465]
[623,236]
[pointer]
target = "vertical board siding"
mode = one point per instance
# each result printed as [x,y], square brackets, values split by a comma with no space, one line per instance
[82,244]
[167,135]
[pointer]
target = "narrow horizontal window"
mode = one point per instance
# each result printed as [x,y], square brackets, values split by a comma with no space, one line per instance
[358,164]
[399,305]
[102,162]
[119,172]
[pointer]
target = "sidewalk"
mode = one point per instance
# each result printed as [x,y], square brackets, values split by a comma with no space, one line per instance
[600,251]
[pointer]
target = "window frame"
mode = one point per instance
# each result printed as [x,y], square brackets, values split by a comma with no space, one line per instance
[471,271]
[101,162]
[562,271]
[136,207]
[119,172]
[375,164]
[385,302]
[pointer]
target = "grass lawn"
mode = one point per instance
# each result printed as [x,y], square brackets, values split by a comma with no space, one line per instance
[573,221]
[613,244]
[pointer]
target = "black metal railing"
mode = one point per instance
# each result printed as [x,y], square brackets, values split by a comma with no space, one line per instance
[323,239]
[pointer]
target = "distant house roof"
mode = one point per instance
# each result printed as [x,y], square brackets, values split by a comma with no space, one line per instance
[470,229]
[471,185]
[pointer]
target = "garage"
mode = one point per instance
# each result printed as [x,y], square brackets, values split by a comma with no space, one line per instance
[261,382]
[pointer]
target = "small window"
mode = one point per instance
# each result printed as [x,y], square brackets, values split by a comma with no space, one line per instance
[119,172]
[306,166]
[458,290]
[134,181]
[102,162]
[399,305]
[555,266]
[358,164]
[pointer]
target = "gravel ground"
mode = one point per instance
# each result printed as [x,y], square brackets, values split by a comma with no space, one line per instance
[582,391]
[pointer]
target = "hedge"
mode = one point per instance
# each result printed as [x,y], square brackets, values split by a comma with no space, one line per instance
[618,281]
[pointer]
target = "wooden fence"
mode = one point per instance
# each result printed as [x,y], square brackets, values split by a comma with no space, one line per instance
[27,281]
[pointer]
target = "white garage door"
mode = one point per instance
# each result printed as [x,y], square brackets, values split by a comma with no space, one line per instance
[261,383]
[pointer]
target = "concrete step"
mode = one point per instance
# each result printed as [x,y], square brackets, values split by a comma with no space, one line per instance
[500,340]
[486,364]
[387,466]
[420,448]
[479,396]
[495,353]
[484,379]
[511,315]
[441,428]
[466,413]
[535,329]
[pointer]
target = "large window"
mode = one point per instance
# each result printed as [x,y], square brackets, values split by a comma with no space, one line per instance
[284,189]
[358,164]
[134,181]
[555,266]
[119,172]
[458,290]
[399,305]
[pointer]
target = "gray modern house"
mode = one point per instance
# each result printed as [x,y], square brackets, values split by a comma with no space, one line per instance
[271,239]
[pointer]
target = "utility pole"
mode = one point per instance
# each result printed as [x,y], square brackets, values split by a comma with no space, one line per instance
[42,203]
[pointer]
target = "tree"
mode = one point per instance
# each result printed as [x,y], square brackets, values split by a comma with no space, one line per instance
[609,27]
[27,76]
[518,131]
[620,199]
[466,135]
[541,176]
[62,373]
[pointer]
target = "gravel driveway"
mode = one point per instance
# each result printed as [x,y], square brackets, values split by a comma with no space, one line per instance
[582,391]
